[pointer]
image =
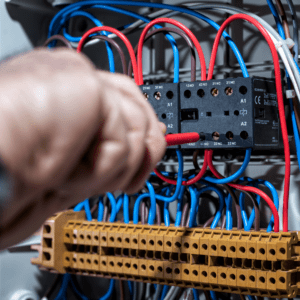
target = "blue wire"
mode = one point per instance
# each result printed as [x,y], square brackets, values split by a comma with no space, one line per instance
[228,202]
[196,294]
[119,203]
[136,207]
[160,197]
[234,176]
[152,210]
[88,210]
[83,297]
[86,205]
[166,214]
[100,209]
[277,18]
[178,183]
[179,207]
[161,6]
[98,24]
[110,290]
[62,293]
[146,20]
[79,206]
[164,292]
[248,223]
[116,206]
[275,200]
[168,191]
[113,204]
[134,15]
[221,206]
[194,204]
[166,207]
[76,39]
[213,295]
[126,208]
[130,288]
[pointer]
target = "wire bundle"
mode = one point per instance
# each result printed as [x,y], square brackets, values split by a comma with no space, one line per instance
[188,187]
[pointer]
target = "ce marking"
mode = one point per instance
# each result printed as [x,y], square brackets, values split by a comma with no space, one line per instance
[257,100]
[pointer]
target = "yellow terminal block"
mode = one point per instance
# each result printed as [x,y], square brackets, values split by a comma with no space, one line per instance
[251,263]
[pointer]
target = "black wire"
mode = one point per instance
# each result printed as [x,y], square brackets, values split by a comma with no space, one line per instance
[51,289]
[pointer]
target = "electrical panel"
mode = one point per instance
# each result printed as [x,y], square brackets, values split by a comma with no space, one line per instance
[234,112]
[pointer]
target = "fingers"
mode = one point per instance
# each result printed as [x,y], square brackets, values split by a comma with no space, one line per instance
[130,142]
[136,115]
[127,98]
[45,114]
[105,158]
[86,133]
[163,128]
[155,149]
[152,142]
[150,145]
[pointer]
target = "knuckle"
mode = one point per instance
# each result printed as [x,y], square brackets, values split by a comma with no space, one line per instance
[124,151]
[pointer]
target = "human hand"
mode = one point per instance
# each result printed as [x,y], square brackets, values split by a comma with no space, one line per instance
[69,132]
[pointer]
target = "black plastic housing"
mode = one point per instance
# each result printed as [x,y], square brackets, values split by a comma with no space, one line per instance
[164,98]
[234,113]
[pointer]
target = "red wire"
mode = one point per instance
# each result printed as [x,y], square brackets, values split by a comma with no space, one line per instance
[279,99]
[183,28]
[246,188]
[189,182]
[182,138]
[176,138]
[120,35]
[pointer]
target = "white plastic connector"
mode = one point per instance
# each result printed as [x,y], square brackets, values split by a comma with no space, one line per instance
[278,44]
[290,43]
[290,94]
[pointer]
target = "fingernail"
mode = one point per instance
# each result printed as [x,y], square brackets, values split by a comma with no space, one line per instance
[163,127]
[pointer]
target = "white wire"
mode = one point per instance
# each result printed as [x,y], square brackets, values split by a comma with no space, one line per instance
[170,292]
[280,50]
